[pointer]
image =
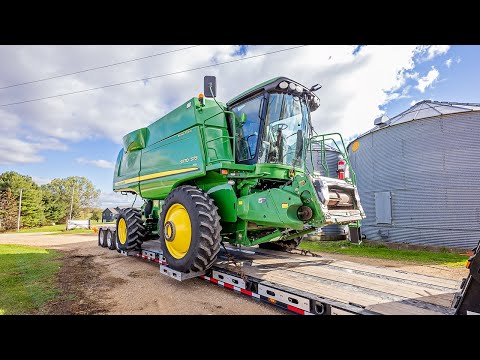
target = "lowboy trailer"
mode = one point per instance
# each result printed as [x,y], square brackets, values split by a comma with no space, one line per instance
[313,285]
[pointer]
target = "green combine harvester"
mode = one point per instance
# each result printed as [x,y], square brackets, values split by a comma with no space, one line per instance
[211,172]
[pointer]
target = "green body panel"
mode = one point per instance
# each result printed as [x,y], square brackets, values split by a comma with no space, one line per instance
[275,171]
[173,154]
[135,140]
[303,187]
[232,166]
[153,159]
[274,207]
[226,201]
[222,193]
[127,167]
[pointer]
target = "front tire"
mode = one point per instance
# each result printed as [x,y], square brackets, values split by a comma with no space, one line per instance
[130,229]
[189,230]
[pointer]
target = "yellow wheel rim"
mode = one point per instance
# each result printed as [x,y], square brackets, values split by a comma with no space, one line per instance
[178,232]
[122,231]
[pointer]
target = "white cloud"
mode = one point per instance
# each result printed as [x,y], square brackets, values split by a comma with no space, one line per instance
[448,62]
[355,86]
[427,80]
[411,75]
[104,164]
[40,180]
[13,150]
[435,50]
[413,102]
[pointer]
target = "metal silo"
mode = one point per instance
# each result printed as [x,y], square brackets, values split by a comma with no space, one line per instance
[418,177]
[331,156]
[327,168]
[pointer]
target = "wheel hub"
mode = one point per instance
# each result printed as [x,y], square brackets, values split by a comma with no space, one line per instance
[177,230]
[169,231]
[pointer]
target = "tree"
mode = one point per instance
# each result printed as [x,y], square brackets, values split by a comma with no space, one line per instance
[32,213]
[96,214]
[58,194]
[8,210]
[55,209]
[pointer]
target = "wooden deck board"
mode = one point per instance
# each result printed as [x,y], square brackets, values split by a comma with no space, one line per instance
[433,280]
[369,282]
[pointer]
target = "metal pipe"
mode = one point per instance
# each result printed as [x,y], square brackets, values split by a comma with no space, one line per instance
[19,210]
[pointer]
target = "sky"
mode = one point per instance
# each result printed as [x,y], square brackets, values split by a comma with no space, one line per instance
[81,134]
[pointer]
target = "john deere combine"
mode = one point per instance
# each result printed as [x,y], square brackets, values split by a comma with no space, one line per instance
[236,172]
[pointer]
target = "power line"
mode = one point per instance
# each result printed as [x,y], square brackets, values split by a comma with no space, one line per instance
[98,67]
[156,76]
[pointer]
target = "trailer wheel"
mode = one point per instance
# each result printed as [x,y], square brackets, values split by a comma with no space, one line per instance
[110,240]
[189,229]
[281,245]
[102,238]
[130,229]
[117,243]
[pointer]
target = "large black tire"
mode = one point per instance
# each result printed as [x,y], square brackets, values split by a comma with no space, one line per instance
[102,238]
[117,243]
[130,230]
[193,230]
[282,244]
[110,239]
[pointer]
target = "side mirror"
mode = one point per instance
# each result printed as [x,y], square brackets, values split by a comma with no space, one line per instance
[243,118]
[210,86]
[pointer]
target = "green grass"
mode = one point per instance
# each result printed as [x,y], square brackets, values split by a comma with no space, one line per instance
[27,278]
[59,228]
[381,251]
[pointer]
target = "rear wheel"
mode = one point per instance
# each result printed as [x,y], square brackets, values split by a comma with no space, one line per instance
[102,238]
[282,244]
[117,243]
[130,229]
[189,229]
[110,240]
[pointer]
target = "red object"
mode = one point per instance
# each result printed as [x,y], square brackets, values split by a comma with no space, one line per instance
[341,169]
[297,310]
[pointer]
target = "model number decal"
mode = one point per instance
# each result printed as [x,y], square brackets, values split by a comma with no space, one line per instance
[186,160]
[185,132]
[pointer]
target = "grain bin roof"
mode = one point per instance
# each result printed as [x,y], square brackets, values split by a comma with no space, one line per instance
[426,109]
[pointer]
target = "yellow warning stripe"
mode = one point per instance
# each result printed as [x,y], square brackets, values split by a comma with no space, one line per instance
[154,176]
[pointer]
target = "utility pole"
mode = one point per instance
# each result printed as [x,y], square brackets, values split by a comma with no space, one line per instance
[19,210]
[71,204]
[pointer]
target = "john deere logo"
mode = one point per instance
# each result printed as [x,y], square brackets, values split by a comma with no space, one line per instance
[355,146]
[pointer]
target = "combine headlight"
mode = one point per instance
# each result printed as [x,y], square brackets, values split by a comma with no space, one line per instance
[283,85]
[292,86]
[299,88]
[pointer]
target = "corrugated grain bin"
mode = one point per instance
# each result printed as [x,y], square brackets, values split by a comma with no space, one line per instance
[418,175]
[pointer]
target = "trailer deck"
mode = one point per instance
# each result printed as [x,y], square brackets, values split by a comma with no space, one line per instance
[317,285]
[348,286]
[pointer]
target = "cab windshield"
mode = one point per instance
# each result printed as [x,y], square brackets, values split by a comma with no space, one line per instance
[285,126]
[283,130]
